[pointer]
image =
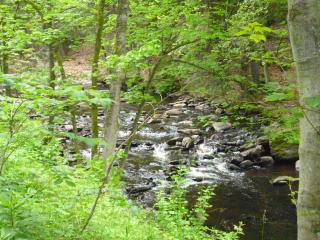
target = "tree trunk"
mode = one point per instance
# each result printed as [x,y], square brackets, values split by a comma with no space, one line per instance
[304,26]
[59,60]
[5,69]
[52,77]
[135,125]
[254,71]
[4,61]
[95,73]
[112,114]
[266,73]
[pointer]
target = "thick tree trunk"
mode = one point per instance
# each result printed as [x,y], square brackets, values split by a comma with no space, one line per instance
[95,73]
[304,26]
[112,114]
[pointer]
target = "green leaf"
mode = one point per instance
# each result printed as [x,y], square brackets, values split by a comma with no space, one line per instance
[313,102]
[257,37]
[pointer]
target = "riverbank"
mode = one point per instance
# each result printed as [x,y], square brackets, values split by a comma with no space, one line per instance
[235,159]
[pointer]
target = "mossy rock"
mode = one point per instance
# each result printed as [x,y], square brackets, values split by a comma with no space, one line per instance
[283,152]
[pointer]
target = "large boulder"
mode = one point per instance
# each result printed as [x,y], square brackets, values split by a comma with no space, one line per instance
[284,152]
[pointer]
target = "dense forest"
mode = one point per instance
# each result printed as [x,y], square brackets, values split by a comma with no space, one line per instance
[160,119]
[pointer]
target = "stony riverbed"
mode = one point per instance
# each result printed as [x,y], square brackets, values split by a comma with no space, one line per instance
[238,161]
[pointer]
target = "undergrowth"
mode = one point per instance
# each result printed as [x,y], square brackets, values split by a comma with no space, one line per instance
[42,197]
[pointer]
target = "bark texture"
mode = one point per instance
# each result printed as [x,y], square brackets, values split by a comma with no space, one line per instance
[304,26]
[112,114]
[5,69]
[95,73]
[59,60]
[254,71]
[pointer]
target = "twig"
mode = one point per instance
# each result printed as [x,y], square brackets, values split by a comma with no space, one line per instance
[110,166]
[310,122]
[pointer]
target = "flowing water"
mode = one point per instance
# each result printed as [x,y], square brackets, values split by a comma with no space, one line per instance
[240,196]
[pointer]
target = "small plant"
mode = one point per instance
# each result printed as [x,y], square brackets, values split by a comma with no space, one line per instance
[264,221]
[174,216]
[203,121]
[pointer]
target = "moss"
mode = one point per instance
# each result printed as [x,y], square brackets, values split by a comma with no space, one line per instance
[284,151]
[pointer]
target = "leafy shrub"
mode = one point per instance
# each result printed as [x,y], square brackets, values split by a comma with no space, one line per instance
[180,222]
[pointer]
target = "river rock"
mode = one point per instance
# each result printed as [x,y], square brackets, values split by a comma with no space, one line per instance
[221,126]
[190,131]
[234,143]
[285,153]
[252,153]
[234,167]
[214,117]
[247,146]
[68,127]
[173,112]
[192,105]
[173,141]
[202,107]
[236,160]
[187,143]
[206,156]
[179,105]
[138,189]
[157,118]
[246,164]
[266,161]
[138,142]
[197,139]
[172,148]
[263,140]
[186,123]
[219,111]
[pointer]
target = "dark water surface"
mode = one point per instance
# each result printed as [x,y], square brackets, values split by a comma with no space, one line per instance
[250,201]
[240,196]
